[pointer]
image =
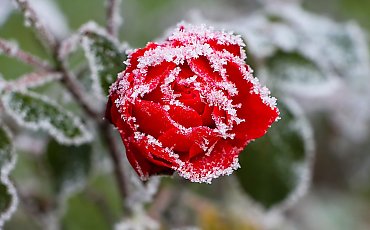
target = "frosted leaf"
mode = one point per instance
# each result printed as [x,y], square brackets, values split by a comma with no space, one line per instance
[8,194]
[104,55]
[282,159]
[292,70]
[339,48]
[37,112]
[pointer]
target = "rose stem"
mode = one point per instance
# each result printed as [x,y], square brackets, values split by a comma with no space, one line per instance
[116,157]
[46,37]
[75,89]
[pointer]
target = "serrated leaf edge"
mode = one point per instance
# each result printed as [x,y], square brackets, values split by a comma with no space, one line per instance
[304,168]
[86,45]
[4,178]
[46,126]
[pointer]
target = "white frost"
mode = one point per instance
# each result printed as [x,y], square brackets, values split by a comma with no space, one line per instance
[4,178]
[44,123]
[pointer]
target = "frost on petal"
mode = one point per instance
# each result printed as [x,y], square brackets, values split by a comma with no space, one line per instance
[204,168]
[144,165]
[257,114]
[179,106]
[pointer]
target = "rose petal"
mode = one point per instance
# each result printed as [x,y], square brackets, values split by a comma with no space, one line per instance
[159,72]
[151,118]
[176,140]
[185,116]
[258,116]
[189,97]
[154,153]
[185,72]
[143,167]
[112,114]
[137,54]
[234,49]
[202,68]
[191,143]
[207,117]
[203,139]
[194,103]
[203,168]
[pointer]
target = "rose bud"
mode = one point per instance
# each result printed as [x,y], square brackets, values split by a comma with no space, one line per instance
[189,105]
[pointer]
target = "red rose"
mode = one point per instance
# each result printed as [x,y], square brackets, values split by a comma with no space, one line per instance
[189,104]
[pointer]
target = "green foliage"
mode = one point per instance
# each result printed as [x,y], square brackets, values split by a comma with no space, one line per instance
[7,196]
[105,59]
[273,166]
[69,165]
[5,147]
[36,112]
[293,68]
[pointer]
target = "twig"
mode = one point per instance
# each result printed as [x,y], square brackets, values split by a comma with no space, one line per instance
[32,80]
[116,157]
[113,17]
[31,17]
[12,50]
[77,92]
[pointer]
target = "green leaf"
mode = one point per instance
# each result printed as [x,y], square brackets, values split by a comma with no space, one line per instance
[275,168]
[5,199]
[346,51]
[69,165]
[37,112]
[6,148]
[104,55]
[8,196]
[293,68]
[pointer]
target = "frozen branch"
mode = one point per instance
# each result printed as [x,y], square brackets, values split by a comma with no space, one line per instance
[33,20]
[32,80]
[12,50]
[69,80]
[115,154]
[113,17]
